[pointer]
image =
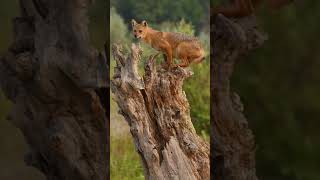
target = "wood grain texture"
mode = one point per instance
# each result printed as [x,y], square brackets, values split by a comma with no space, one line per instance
[158,113]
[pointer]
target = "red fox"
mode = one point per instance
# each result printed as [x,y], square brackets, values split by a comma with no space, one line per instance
[174,45]
[241,8]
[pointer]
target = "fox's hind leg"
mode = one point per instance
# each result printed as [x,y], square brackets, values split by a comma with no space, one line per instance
[199,59]
[183,52]
[197,56]
[184,62]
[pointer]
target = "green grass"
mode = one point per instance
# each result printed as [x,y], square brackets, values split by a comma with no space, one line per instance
[124,160]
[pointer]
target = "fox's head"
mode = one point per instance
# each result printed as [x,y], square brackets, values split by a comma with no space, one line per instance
[139,30]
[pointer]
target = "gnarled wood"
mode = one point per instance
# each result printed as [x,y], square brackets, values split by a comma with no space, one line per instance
[158,113]
[233,146]
[53,77]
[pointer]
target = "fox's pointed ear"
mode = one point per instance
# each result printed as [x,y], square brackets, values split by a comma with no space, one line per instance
[133,22]
[144,23]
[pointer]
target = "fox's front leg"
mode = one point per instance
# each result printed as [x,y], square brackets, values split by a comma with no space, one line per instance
[169,58]
[165,58]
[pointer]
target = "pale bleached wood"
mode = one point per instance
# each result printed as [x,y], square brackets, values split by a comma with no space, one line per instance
[158,113]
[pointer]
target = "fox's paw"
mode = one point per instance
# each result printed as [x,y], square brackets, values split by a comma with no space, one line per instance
[175,66]
[165,65]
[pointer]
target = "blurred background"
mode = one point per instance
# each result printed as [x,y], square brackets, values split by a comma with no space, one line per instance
[186,16]
[280,87]
[12,143]
[13,146]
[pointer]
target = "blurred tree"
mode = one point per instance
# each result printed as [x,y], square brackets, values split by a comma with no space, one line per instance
[13,146]
[280,87]
[12,143]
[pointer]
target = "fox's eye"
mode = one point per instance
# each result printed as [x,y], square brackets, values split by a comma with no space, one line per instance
[140,31]
[134,31]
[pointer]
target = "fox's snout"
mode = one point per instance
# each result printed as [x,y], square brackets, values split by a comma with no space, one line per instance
[137,36]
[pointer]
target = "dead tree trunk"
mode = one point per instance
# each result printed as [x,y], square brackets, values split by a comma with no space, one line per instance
[233,146]
[158,114]
[55,80]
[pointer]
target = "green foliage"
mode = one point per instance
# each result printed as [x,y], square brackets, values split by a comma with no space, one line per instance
[182,26]
[194,11]
[197,89]
[118,28]
[125,162]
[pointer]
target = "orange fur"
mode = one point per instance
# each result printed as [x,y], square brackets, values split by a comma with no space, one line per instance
[174,45]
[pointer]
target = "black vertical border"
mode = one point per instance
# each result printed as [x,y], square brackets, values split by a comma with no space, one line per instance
[107,53]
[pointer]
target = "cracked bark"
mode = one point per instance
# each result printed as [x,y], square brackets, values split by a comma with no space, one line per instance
[158,113]
[233,146]
[56,81]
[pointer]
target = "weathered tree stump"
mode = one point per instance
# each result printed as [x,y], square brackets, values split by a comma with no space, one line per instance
[55,79]
[232,142]
[158,113]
